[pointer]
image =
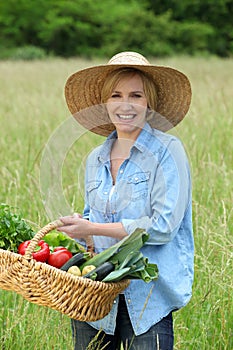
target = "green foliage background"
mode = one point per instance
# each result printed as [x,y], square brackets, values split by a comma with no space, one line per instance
[101,28]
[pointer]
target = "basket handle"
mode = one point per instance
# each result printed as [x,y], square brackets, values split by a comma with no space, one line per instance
[46,229]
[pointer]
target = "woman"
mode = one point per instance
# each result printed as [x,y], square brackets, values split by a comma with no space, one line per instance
[139,177]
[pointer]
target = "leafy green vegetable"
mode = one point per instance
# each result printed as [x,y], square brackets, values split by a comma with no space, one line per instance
[13,228]
[140,269]
[127,244]
[56,239]
[129,262]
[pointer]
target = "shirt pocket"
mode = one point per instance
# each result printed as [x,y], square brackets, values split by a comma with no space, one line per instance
[138,185]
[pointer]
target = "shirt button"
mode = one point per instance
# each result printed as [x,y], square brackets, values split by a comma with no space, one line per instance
[114,302]
[105,192]
[136,179]
[129,301]
[121,171]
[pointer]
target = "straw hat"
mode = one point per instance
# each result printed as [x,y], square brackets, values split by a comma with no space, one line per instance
[83,91]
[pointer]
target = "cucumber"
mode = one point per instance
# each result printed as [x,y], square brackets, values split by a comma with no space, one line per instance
[101,271]
[76,260]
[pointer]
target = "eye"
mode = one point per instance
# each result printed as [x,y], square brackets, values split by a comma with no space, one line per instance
[115,95]
[136,95]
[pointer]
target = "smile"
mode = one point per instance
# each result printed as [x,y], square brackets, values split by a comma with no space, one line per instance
[126,116]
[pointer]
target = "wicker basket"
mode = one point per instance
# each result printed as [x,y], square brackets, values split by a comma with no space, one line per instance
[77,297]
[9,280]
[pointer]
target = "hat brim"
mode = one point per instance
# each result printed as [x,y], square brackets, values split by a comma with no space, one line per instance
[82,90]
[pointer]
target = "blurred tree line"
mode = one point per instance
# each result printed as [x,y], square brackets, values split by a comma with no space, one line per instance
[101,28]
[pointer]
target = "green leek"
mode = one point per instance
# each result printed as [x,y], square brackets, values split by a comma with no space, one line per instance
[129,262]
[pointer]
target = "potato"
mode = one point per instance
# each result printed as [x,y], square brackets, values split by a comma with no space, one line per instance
[87,269]
[75,270]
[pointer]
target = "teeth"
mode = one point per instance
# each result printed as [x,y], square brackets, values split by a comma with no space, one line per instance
[130,116]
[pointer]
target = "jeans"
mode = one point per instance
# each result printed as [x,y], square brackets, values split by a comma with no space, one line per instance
[159,337]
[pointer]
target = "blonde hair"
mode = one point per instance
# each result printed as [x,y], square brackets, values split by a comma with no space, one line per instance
[114,77]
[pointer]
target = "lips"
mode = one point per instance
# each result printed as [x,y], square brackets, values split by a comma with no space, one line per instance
[126,116]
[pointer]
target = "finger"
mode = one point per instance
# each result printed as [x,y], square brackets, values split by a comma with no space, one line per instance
[69,220]
[77,215]
[65,218]
[68,230]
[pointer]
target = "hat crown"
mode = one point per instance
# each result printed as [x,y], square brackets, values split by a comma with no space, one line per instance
[128,58]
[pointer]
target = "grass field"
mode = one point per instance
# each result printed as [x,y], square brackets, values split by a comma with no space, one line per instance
[33,107]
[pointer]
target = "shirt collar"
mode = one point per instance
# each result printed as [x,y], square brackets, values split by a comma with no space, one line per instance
[142,142]
[144,138]
[104,155]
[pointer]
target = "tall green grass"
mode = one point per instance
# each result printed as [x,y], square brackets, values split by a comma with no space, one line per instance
[33,107]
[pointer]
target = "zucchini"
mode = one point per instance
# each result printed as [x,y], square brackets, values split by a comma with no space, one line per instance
[101,271]
[76,260]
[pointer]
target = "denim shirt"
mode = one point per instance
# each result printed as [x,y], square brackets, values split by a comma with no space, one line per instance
[152,191]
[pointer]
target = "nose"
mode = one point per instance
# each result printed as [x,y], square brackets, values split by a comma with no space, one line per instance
[125,98]
[125,104]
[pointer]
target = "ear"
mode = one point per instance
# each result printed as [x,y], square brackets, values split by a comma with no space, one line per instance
[149,114]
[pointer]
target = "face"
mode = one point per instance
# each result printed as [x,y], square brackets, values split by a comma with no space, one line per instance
[127,106]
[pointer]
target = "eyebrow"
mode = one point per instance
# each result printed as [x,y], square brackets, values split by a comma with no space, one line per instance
[137,91]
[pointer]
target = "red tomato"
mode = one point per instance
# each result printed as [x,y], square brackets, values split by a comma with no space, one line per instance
[59,258]
[60,248]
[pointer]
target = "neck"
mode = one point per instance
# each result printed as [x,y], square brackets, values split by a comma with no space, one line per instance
[122,147]
[131,137]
